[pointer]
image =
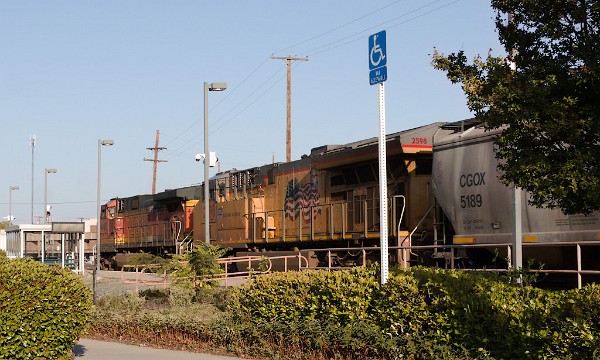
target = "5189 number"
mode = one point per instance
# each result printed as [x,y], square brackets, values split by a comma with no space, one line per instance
[471,201]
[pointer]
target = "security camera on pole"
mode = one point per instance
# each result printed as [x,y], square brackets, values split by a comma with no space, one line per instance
[378,75]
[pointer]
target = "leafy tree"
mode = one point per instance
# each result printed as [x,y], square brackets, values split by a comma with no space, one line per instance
[199,263]
[548,105]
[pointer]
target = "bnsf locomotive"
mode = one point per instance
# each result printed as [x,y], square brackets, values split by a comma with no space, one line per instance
[442,185]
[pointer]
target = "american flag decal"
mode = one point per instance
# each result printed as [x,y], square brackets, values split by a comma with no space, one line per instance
[300,200]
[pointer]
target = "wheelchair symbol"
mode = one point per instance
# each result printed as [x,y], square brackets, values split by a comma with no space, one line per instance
[376,56]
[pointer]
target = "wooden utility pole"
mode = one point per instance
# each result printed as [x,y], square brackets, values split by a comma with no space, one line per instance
[155,160]
[288,142]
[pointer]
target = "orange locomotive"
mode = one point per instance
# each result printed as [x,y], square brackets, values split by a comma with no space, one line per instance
[158,224]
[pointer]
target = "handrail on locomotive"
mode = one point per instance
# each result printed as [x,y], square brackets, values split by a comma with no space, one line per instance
[260,216]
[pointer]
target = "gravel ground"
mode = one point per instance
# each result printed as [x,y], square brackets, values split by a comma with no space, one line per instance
[111,282]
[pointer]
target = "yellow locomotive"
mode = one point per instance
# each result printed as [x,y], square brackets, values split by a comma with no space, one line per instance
[327,199]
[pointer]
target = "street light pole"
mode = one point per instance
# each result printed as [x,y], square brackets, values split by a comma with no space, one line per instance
[11,188]
[32,167]
[100,144]
[46,172]
[208,87]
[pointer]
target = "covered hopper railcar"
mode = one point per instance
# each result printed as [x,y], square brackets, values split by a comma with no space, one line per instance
[480,208]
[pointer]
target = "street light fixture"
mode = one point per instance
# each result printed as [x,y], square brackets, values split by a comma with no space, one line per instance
[100,144]
[46,210]
[10,217]
[208,87]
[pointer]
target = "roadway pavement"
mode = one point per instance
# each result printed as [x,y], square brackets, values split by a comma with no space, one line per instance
[101,350]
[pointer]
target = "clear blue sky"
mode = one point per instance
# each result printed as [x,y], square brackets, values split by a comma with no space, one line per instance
[72,72]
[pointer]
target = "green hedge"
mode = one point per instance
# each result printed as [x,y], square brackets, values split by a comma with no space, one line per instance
[420,311]
[507,321]
[43,309]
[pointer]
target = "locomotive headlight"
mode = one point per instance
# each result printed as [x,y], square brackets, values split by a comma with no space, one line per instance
[495,225]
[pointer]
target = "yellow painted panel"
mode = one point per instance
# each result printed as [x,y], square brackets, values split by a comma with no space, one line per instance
[463,240]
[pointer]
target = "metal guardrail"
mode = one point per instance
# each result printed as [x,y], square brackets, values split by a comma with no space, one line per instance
[250,259]
[448,253]
[142,277]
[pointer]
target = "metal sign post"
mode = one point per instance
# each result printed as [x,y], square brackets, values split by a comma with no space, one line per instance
[378,75]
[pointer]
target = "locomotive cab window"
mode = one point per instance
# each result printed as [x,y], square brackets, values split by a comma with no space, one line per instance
[336,180]
[350,176]
[365,173]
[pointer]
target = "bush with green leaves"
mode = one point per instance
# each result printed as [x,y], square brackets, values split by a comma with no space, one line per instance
[420,313]
[348,313]
[194,267]
[43,309]
[145,259]
[481,311]
[153,317]
[468,315]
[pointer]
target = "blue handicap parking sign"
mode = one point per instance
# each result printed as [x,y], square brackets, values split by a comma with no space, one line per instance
[377,58]
[378,75]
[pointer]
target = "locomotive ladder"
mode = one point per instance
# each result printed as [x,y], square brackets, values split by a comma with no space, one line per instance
[439,235]
[439,226]
[185,244]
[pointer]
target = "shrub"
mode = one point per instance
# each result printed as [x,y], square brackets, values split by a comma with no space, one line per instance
[42,309]
[158,297]
[195,267]
[180,326]
[180,296]
[145,259]
[217,296]
[130,302]
[420,311]
[478,311]
[343,313]
[309,295]
[418,314]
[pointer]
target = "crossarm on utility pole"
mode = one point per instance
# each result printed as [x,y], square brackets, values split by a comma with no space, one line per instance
[156,149]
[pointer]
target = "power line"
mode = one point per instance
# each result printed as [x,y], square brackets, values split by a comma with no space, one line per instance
[180,151]
[222,121]
[337,28]
[228,93]
[53,203]
[358,36]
